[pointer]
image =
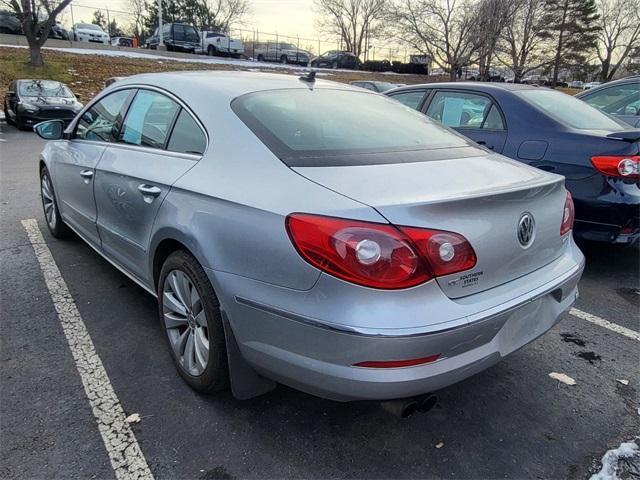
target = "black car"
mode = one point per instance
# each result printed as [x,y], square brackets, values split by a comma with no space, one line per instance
[335,59]
[178,37]
[620,98]
[598,155]
[28,102]
[375,86]
[58,32]
[10,23]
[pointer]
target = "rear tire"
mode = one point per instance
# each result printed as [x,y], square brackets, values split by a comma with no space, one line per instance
[334,65]
[52,217]
[211,50]
[284,59]
[190,316]
[260,58]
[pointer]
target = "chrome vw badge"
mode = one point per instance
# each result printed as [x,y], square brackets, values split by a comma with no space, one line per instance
[526,230]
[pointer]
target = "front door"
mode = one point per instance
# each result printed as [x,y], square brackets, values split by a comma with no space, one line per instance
[75,162]
[474,115]
[133,178]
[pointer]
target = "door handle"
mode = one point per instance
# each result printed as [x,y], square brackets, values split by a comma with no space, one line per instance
[149,190]
[546,168]
[86,175]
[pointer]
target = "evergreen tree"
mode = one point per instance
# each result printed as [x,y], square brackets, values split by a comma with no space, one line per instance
[100,19]
[573,24]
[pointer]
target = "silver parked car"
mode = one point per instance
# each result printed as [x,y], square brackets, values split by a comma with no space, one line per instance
[312,233]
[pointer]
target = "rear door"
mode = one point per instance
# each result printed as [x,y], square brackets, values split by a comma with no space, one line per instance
[75,162]
[158,143]
[473,114]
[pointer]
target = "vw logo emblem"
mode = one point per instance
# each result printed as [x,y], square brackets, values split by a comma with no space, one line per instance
[526,230]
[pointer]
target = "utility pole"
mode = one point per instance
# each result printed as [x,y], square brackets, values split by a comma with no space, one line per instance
[160,35]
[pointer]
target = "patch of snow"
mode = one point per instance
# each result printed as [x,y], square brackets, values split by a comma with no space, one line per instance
[609,470]
[561,377]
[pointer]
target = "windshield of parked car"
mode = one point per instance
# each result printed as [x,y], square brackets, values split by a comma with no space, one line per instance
[299,123]
[43,88]
[569,110]
[288,46]
[89,26]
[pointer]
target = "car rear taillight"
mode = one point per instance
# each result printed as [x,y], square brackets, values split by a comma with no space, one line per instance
[446,252]
[377,255]
[568,215]
[621,166]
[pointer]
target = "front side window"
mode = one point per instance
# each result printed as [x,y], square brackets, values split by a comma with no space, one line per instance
[411,98]
[190,34]
[300,123]
[99,123]
[148,120]
[464,110]
[618,100]
[187,137]
[569,110]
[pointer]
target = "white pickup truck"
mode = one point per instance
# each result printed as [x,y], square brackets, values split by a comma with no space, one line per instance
[216,43]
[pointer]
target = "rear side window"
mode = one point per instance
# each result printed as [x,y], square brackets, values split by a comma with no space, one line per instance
[300,123]
[569,110]
[99,123]
[187,137]
[619,100]
[148,120]
[465,110]
[411,99]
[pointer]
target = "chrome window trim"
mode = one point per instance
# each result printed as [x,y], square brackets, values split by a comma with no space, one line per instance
[136,86]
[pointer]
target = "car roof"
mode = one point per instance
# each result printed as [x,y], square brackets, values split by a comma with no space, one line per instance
[225,83]
[483,86]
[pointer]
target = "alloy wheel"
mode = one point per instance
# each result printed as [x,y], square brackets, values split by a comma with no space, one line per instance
[48,201]
[186,322]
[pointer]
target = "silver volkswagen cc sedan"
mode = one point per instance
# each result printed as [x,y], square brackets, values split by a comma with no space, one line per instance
[311,233]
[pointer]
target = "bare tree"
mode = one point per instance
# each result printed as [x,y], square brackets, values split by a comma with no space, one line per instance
[442,29]
[354,21]
[37,18]
[619,34]
[220,14]
[524,44]
[492,16]
[137,9]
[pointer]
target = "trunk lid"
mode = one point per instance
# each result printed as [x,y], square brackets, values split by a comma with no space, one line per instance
[482,198]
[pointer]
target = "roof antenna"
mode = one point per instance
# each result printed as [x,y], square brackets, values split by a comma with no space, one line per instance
[309,77]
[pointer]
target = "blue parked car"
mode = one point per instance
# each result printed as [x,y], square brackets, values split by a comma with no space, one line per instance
[620,98]
[598,154]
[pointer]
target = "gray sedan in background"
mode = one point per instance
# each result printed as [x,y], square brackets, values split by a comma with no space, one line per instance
[311,233]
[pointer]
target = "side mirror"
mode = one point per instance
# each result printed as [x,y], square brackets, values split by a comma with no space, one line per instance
[11,93]
[50,130]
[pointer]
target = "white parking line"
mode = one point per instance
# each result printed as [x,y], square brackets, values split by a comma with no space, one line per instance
[614,327]
[126,457]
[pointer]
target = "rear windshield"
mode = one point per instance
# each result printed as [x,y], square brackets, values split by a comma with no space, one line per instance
[569,110]
[325,124]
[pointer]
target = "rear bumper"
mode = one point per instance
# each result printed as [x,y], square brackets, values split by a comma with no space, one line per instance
[607,209]
[300,349]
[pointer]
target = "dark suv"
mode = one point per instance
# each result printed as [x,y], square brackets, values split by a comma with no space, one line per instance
[335,59]
[178,37]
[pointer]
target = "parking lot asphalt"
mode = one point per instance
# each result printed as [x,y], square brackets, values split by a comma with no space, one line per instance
[511,421]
